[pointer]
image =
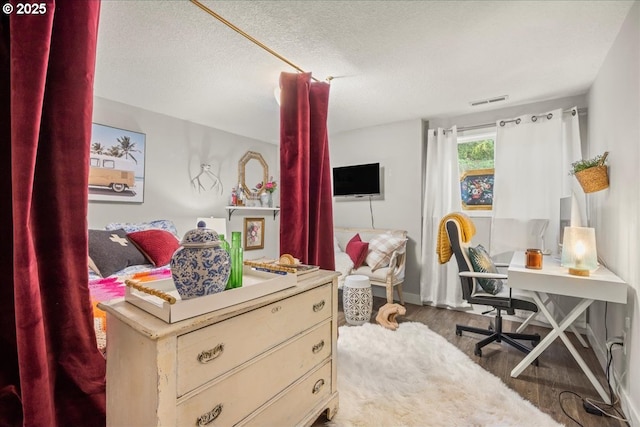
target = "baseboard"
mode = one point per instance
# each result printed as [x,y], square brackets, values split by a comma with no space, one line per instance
[409,298]
[600,350]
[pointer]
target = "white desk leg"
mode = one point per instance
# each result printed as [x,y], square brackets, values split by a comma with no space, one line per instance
[561,313]
[552,335]
[594,381]
[558,331]
[526,322]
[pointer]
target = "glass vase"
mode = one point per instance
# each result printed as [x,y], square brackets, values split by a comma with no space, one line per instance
[235,280]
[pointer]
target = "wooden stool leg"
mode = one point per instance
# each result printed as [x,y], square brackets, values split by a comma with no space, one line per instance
[399,286]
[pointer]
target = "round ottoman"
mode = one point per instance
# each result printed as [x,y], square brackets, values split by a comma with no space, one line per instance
[357,299]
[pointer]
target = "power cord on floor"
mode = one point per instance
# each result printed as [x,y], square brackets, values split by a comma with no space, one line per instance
[596,407]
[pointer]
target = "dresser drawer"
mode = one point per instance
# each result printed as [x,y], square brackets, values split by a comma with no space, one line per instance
[293,406]
[209,352]
[230,399]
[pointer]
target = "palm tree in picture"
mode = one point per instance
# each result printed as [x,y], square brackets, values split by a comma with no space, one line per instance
[127,147]
[97,148]
[114,151]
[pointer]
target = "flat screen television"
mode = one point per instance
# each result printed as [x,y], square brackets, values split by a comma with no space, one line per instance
[357,180]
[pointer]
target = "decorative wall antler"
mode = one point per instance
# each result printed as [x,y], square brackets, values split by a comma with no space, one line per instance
[205,172]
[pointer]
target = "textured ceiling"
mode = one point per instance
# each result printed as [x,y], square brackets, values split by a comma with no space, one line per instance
[392,60]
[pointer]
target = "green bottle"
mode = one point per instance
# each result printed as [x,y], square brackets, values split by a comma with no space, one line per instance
[236,260]
[225,245]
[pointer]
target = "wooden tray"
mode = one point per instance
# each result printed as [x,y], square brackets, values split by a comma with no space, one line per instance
[254,285]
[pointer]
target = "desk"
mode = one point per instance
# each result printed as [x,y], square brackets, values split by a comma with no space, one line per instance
[602,285]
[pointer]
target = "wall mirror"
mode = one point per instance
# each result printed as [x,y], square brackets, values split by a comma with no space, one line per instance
[252,169]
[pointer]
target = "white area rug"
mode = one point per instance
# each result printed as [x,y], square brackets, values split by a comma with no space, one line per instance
[414,377]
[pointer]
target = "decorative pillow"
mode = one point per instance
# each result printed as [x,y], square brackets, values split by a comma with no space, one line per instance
[92,266]
[357,250]
[381,247]
[111,251]
[482,263]
[157,245]
[130,227]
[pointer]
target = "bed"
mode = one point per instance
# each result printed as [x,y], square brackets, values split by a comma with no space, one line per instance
[120,251]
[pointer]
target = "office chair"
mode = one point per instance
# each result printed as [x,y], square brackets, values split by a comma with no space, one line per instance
[473,293]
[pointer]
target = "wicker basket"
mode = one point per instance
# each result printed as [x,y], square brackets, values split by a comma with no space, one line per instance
[593,179]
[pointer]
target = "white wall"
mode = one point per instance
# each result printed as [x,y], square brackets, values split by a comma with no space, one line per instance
[614,126]
[174,151]
[397,147]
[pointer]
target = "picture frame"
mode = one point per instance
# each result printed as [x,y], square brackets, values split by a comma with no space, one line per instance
[116,165]
[253,233]
[476,189]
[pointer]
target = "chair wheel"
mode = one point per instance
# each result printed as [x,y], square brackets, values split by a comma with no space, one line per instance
[458,332]
[478,352]
[535,362]
[534,343]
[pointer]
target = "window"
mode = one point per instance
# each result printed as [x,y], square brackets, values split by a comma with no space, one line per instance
[476,167]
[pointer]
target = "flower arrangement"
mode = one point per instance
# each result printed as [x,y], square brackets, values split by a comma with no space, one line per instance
[269,187]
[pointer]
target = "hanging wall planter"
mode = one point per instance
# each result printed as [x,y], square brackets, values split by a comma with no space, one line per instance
[591,174]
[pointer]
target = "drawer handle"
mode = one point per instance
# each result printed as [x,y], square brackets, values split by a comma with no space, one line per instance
[205,419]
[208,355]
[319,306]
[318,386]
[317,347]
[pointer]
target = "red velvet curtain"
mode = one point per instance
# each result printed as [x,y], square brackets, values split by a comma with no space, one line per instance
[51,373]
[306,212]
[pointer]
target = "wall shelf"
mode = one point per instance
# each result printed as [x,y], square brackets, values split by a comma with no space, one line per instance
[232,209]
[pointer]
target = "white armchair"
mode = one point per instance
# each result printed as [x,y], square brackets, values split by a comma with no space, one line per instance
[390,276]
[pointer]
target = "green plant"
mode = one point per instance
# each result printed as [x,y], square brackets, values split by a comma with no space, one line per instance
[581,165]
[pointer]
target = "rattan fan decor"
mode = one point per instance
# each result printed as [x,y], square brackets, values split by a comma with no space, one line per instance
[593,178]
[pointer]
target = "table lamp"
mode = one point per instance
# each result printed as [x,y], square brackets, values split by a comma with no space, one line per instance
[579,253]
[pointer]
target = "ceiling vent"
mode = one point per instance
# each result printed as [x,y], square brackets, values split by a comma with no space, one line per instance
[489,101]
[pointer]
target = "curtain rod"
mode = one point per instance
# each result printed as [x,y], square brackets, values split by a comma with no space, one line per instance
[250,38]
[580,111]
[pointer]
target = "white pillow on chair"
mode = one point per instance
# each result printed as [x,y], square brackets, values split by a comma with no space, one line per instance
[381,247]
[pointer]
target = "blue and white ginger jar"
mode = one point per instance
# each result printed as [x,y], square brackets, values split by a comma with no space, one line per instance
[201,266]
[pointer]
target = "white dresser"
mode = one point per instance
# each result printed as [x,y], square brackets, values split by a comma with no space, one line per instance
[270,361]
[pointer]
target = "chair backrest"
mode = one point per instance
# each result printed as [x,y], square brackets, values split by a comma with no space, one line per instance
[460,252]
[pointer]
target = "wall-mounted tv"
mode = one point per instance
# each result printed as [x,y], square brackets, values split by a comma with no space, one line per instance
[357,180]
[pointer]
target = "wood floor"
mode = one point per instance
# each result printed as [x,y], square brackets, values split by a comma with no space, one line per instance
[541,385]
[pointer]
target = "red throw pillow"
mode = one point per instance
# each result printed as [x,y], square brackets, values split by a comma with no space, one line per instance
[157,245]
[357,250]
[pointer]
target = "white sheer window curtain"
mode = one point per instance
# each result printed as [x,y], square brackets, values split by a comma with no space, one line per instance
[533,155]
[439,285]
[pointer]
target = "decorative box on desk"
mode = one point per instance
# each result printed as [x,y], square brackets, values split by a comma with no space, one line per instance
[269,360]
[254,284]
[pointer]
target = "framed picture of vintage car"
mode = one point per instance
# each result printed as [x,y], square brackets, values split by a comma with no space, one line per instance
[116,165]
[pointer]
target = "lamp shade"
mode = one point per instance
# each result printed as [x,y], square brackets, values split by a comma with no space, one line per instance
[579,252]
